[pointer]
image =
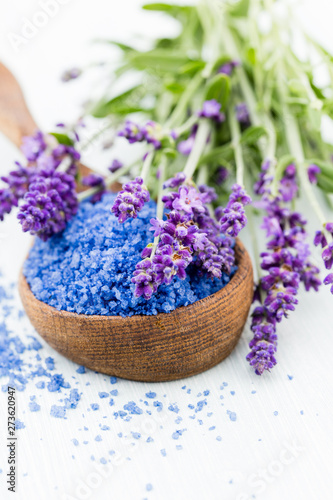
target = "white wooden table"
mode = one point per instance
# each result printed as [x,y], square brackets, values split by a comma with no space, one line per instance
[226,434]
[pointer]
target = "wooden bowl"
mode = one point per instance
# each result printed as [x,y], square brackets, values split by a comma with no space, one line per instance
[170,346]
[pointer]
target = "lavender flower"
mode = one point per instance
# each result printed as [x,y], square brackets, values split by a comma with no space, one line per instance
[233,218]
[130,200]
[153,134]
[175,181]
[288,184]
[222,175]
[173,255]
[45,152]
[327,254]
[71,74]
[228,67]
[329,281]
[212,109]
[313,171]
[144,279]
[262,185]
[33,146]
[115,165]
[18,183]
[48,205]
[208,194]
[95,180]
[132,132]
[185,147]
[188,199]
[239,195]
[189,235]
[242,114]
[287,265]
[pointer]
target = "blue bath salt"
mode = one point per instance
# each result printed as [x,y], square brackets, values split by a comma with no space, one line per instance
[149,487]
[73,400]
[232,415]
[49,363]
[94,406]
[114,392]
[40,385]
[98,438]
[173,407]
[33,406]
[177,434]
[58,411]
[75,442]
[81,369]
[200,405]
[103,395]
[151,395]
[87,269]
[19,424]
[56,382]
[132,408]
[113,380]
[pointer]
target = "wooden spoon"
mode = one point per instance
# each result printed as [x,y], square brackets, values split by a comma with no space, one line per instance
[170,346]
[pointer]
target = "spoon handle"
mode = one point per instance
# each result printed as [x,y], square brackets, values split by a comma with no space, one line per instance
[15,118]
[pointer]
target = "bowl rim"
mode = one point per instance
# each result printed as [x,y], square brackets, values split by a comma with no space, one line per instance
[243,262]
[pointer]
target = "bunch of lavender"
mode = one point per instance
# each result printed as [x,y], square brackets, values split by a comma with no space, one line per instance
[217,122]
[47,195]
[286,262]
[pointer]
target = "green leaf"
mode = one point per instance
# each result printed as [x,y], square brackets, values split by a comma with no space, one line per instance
[170,153]
[63,139]
[219,89]
[240,8]
[218,155]
[315,118]
[121,104]
[164,60]
[170,9]
[121,46]
[252,135]
[175,87]
[251,56]
[325,183]
[328,107]
[297,88]
[192,67]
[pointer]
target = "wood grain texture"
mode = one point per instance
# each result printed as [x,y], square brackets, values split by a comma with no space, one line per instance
[15,118]
[158,348]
